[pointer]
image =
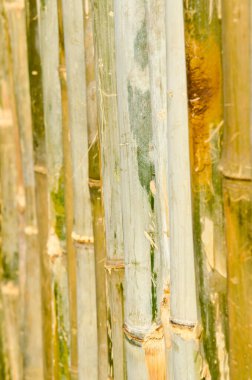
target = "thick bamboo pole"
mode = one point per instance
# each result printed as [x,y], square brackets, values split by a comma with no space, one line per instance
[237,171]
[32,326]
[57,233]
[82,233]
[183,318]
[110,159]
[204,75]
[143,338]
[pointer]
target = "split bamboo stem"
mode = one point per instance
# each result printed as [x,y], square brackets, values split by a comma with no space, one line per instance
[32,340]
[104,338]
[237,172]
[40,171]
[73,17]
[68,183]
[205,106]
[110,159]
[57,225]
[184,361]
[144,343]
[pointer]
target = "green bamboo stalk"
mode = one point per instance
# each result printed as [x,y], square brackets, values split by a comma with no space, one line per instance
[204,75]
[57,226]
[40,170]
[68,181]
[237,172]
[96,194]
[110,159]
[32,339]
[143,335]
[185,359]
[82,230]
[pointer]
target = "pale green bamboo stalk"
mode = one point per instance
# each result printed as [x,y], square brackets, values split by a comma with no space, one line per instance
[96,193]
[110,160]
[82,230]
[57,234]
[184,316]
[68,180]
[143,337]
[32,343]
[237,171]
[204,74]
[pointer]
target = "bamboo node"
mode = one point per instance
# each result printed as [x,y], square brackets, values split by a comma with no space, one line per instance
[114,265]
[94,183]
[186,331]
[82,239]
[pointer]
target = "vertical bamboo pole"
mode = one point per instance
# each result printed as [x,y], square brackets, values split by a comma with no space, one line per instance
[68,180]
[40,169]
[110,159]
[237,171]
[32,344]
[143,337]
[104,338]
[204,74]
[82,233]
[184,318]
[57,226]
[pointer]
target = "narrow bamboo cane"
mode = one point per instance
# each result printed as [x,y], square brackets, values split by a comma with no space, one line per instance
[143,337]
[40,170]
[57,233]
[184,319]
[82,233]
[237,171]
[110,159]
[68,179]
[204,74]
[33,365]
[104,338]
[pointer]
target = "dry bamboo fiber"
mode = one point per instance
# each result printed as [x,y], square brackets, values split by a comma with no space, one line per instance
[96,193]
[110,160]
[237,171]
[82,230]
[205,106]
[32,339]
[184,319]
[57,233]
[137,175]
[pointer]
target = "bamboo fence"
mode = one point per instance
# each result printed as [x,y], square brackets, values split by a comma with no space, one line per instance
[125,190]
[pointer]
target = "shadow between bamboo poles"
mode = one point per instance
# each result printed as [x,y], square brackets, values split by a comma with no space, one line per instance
[185,361]
[95,187]
[57,233]
[143,344]
[32,340]
[68,179]
[205,104]
[82,234]
[110,163]
[237,171]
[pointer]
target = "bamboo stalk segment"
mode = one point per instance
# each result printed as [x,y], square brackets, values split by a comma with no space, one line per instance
[237,171]
[83,232]
[57,233]
[183,362]
[205,106]
[110,160]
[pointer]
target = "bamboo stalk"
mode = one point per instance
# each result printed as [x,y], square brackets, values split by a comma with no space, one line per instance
[204,74]
[32,345]
[184,317]
[96,195]
[143,340]
[82,233]
[237,172]
[110,159]
[40,171]
[57,226]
